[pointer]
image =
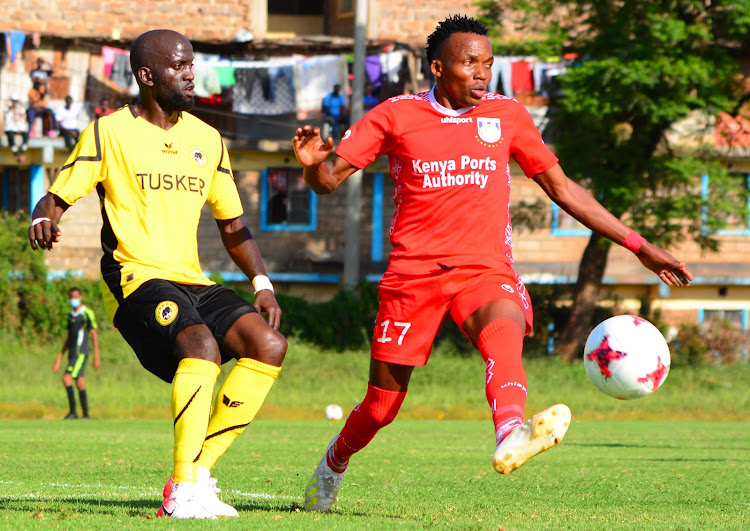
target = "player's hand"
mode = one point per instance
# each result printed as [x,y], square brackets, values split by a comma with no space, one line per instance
[309,146]
[670,270]
[44,234]
[265,301]
[96,364]
[56,367]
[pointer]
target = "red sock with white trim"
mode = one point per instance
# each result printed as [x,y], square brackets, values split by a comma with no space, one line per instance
[501,346]
[376,411]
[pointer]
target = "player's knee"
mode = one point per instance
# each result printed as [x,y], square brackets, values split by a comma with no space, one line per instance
[81,384]
[273,348]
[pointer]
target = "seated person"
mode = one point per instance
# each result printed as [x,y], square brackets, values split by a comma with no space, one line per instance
[16,124]
[38,107]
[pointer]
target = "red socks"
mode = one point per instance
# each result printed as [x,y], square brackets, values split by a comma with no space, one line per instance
[377,410]
[501,345]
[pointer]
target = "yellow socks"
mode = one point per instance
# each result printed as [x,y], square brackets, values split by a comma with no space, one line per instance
[237,403]
[192,391]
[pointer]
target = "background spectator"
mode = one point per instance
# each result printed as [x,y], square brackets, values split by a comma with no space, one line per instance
[334,110]
[38,107]
[67,119]
[103,109]
[42,72]
[16,124]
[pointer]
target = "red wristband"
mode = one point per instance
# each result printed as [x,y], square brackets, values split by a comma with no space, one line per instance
[633,242]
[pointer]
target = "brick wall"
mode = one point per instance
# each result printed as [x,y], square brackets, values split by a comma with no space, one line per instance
[412,21]
[207,20]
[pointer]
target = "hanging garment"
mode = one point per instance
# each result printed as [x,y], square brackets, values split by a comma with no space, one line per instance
[521,79]
[15,43]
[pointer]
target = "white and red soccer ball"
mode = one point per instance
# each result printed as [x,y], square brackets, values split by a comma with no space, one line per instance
[626,357]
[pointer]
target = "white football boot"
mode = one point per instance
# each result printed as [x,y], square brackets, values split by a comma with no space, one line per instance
[183,503]
[323,487]
[207,494]
[541,432]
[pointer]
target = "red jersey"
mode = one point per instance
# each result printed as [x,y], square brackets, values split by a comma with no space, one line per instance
[452,176]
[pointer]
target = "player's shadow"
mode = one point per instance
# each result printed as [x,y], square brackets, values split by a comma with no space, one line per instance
[69,506]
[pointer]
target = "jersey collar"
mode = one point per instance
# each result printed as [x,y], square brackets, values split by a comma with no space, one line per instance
[444,110]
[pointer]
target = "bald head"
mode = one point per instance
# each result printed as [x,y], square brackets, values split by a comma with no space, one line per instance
[154,45]
[161,61]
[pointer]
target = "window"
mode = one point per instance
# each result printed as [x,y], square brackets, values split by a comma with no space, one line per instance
[563,224]
[736,202]
[296,7]
[287,203]
[346,7]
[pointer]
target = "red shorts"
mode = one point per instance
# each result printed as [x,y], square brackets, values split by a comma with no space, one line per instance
[412,308]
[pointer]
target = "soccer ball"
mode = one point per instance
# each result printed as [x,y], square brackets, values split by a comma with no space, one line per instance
[626,357]
[334,412]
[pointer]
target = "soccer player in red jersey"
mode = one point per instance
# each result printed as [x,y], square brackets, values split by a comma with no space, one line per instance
[448,151]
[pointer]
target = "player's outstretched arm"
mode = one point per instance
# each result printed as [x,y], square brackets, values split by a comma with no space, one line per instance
[44,231]
[241,246]
[311,152]
[580,204]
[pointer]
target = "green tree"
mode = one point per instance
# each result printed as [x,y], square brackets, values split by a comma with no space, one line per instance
[644,66]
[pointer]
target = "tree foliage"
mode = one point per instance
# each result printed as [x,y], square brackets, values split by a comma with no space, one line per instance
[642,67]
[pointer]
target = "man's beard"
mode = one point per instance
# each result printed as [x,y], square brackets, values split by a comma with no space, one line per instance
[172,100]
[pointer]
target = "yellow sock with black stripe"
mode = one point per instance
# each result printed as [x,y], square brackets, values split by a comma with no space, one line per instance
[237,403]
[192,392]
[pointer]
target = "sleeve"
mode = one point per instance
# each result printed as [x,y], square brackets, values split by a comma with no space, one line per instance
[369,138]
[223,197]
[91,318]
[85,167]
[528,149]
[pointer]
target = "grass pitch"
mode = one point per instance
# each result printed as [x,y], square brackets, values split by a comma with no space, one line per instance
[416,473]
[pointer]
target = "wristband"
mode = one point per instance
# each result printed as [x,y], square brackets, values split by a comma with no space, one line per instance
[262,282]
[37,221]
[633,242]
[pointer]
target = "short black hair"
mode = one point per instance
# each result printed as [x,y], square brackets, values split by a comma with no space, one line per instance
[74,288]
[449,26]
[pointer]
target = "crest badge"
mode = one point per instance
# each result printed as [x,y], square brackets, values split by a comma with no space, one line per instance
[489,129]
[199,157]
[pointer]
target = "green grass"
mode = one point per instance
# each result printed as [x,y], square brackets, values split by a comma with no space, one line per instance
[415,474]
[449,387]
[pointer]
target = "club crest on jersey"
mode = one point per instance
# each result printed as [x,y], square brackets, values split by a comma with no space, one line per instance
[166,312]
[489,129]
[199,157]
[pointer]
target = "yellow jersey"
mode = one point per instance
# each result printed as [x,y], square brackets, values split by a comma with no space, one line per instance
[152,185]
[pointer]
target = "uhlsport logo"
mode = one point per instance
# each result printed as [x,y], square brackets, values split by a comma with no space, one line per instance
[166,312]
[489,129]
[198,156]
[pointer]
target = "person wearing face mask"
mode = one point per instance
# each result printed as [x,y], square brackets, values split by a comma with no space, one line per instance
[81,323]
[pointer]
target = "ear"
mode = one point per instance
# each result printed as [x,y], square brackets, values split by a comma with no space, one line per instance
[145,76]
[437,68]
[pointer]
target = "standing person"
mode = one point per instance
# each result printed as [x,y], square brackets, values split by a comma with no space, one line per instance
[449,152]
[42,72]
[67,119]
[81,323]
[334,109]
[16,124]
[155,166]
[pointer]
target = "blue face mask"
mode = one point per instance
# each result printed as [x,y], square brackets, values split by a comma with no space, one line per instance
[75,303]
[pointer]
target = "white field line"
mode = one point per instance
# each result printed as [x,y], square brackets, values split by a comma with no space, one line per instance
[102,492]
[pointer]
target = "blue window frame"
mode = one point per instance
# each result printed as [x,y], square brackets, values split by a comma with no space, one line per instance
[563,224]
[286,203]
[739,226]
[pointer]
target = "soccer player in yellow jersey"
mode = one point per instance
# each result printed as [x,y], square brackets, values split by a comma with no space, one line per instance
[154,166]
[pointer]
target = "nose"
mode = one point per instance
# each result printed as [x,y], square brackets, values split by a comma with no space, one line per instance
[189,75]
[482,72]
